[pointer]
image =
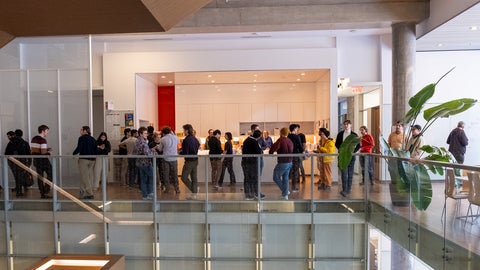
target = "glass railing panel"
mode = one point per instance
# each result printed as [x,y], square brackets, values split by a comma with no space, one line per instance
[230,187]
[233,241]
[181,264]
[234,265]
[29,242]
[81,238]
[132,239]
[181,240]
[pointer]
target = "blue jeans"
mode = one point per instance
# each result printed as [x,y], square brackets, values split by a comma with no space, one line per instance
[280,176]
[146,180]
[347,176]
[369,159]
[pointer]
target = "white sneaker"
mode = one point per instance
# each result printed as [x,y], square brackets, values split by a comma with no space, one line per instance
[192,196]
[284,197]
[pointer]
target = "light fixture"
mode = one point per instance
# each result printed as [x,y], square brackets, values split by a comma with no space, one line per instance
[255,75]
[170,82]
[254,86]
[212,81]
[294,85]
[298,79]
[302,74]
[473,28]
[50,91]
[163,76]
[209,76]
[439,45]
[254,80]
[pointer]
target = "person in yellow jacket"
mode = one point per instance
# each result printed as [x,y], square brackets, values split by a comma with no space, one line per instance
[326,146]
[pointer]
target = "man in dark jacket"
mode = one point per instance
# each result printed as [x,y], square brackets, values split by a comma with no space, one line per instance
[215,148]
[190,146]
[347,174]
[19,147]
[250,165]
[87,146]
[457,141]
[297,149]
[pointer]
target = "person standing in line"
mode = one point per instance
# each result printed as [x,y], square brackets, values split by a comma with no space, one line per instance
[267,139]
[250,165]
[396,138]
[227,162]
[416,142]
[168,147]
[156,141]
[303,139]
[366,147]
[42,165]
[190,146]
[150,130]
[347,174]
[297,149]
[145,165]
[10,135]
[129,145]
[326,146]
[281,171]
[210,134]
[123,152]
[103,148]
[86,146]
[261,142]
[19,147]
[457,142]
[215,147]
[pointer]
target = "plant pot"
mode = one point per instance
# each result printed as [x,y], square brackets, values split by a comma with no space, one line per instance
[398,199]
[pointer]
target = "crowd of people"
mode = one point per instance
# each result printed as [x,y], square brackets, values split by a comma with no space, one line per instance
[164,145]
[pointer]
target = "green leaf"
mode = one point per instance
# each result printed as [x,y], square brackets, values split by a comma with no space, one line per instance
[421,186]
[387,151]
[449,108]
[345,152]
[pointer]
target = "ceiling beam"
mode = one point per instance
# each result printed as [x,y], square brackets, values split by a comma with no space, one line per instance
[169,13]
[5,38]
[344,15]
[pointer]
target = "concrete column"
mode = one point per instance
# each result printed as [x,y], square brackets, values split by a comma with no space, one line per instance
[403,67]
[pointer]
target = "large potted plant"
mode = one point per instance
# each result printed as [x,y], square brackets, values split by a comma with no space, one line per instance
[411,181]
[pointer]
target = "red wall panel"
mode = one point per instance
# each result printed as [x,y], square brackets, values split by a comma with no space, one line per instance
[166,107]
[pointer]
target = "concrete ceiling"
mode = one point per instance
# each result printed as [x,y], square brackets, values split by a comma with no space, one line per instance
[460,33]
[78,17]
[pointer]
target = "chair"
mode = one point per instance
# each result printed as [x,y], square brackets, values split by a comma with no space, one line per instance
[451,192]
[473,195]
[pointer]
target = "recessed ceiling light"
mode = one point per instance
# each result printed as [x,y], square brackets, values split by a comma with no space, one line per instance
[255,75]
[473,28]
[170,81]
[439,45]
[209,76]
[291,88]
[298,79]
[254,80]
[163,77]
[218,90]
[212,81]
[293,85]
[302,74]
[50,91]
[254,90]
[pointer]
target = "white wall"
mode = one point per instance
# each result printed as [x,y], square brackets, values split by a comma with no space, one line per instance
[460,83]
[359,58]
[146,99]
[224,106]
